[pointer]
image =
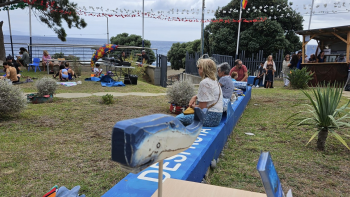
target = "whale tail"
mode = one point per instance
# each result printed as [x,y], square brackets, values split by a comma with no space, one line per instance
[199,114]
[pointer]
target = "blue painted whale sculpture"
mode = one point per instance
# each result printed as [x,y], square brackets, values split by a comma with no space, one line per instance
[140,142]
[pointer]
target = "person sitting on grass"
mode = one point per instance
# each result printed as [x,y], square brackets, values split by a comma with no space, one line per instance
[64,75]
[97,70]
[62,66]
[71,73]
[234,76]
[11,73]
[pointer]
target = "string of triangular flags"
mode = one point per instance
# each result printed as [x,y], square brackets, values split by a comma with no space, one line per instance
[125,13]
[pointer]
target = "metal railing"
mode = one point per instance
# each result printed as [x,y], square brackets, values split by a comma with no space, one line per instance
[83,52]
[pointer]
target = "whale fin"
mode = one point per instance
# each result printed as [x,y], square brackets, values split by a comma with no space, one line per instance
[199,114]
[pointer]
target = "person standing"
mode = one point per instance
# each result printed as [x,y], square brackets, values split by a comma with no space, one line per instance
[241,70]
[270,68]
[312,58]
[341,58]
[321,58]
[300,59]
[286,69]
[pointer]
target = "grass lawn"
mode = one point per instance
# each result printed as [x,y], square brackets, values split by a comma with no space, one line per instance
[68,143]
[304,169]
[89,86]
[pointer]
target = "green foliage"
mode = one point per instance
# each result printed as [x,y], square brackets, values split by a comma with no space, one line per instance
[180,93]
[46,86]
[107,99]
[177,54]
[323,113]
[54,19]
[69,57]
[76,67]
[270,36]
[299,78]
[12,99]
[133,40]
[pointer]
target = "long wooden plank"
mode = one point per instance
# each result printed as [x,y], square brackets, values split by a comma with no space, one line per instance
[340,37]
[304,44]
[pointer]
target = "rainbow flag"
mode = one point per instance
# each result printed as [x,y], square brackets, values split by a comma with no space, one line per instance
[244,3]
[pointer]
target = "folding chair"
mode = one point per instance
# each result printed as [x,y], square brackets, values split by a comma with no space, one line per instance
[36,62]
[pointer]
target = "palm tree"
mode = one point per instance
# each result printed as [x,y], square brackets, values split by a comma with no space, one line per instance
[323,114]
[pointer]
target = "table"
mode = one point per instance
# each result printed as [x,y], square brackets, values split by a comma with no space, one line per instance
[121,73]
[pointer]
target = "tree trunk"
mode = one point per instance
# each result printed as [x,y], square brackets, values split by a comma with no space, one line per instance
[2,44]
[322,137]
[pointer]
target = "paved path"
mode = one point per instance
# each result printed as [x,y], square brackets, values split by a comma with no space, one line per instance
[82,95]
[346,94]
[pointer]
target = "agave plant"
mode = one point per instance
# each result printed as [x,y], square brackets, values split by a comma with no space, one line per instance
[323,114]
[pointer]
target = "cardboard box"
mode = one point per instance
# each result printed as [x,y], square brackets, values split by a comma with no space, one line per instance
[180,188]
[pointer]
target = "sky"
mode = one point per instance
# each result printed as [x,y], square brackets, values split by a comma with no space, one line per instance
[160,30]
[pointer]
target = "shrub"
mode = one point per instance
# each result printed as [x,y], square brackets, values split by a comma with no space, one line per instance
[323,113]
[46,86]
[299,78]
[77,68]
[180,93]
[12,99]
[107,99]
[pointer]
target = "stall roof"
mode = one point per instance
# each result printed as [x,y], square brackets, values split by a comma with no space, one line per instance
[327,33]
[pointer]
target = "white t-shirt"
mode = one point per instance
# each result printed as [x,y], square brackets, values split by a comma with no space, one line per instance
[97,70]
[209,91]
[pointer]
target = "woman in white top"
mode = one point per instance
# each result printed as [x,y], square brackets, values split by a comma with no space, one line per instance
[209,95]
[285,69]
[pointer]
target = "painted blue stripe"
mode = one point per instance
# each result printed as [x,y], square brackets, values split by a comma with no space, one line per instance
[190,165]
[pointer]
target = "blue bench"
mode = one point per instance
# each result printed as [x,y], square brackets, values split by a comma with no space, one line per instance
[190,165]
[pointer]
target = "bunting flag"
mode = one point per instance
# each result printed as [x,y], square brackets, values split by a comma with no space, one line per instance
[244,4]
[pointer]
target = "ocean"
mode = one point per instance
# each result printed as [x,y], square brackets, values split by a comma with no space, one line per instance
[84,53]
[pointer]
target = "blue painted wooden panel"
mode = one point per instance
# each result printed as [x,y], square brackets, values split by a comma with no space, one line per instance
[267,171]
[191,164]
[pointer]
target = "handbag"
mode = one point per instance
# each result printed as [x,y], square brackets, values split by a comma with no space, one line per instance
[190,110]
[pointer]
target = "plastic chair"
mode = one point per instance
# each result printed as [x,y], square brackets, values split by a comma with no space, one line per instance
[35,63]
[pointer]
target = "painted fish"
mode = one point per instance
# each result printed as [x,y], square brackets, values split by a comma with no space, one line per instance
[140,142]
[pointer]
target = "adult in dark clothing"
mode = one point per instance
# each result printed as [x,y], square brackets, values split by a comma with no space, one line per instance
[122,57]
[300,60]
[294,62]
[312,58]
[144,58]
[62,66]
[25,59]
[260,75]
[321,58]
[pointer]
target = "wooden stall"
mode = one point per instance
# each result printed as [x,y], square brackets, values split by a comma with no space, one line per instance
[335,40]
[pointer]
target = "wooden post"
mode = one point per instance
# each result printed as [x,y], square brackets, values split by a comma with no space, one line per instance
[160,178]
[348,48]
[303,51]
